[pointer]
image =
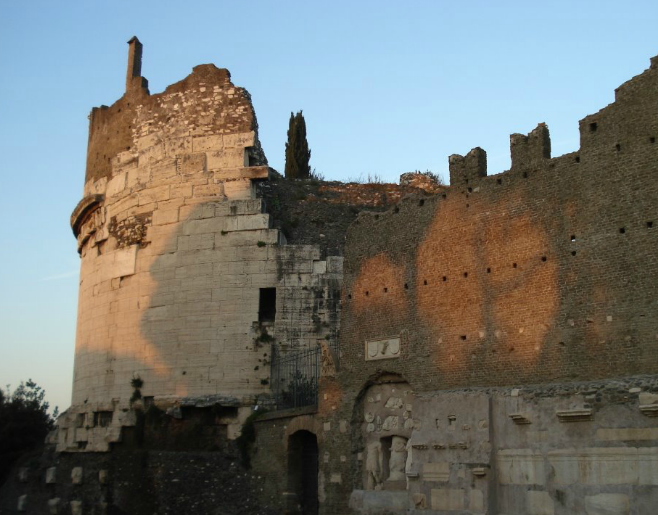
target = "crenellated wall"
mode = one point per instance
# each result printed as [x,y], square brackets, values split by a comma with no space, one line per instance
[500,338]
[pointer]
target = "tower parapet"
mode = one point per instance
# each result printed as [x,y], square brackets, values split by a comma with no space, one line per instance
[467,169]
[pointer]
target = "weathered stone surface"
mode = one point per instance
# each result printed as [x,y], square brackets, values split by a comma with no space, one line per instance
[607,504]
[51,475]
[76,475]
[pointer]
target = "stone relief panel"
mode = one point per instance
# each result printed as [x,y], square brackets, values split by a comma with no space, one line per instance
[387,425]
[382,349]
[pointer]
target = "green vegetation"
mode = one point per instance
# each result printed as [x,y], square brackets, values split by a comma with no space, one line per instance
[297,151]
[24,423]
[245,441]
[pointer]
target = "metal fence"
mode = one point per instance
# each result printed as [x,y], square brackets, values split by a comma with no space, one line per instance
[295,376]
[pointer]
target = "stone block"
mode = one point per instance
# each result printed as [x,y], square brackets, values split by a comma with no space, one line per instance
[164,171]
[51,475]
[116,185]
[156,194]
[607,504]
[439,472]
[647,398]
[319,267]
[76,475]
[208,190]
[23,474]
[242,139]
[180,191]
[103,476]
[178,146]
[76,507]
[207,143]
[165,216]
[190,164]
[148,141]
[539,503]
[520,467]
[231,158]
[119,263]
[22,503]
[628,434]
[238,189]
[53,505]
[605,466]
[138,176]
[335,477]
[334,264]
[371,502]
[476,501]
[151,154]
[449,499]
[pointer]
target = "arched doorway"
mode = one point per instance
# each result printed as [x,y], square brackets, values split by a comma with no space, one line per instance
[303,470]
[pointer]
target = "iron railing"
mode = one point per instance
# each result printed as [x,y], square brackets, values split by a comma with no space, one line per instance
[295,376]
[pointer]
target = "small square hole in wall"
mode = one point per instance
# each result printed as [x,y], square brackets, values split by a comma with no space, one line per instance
[488,270]
[465,275]
[649,225]
[425,282]
[622,230]
[593,126]
[573,252]
[573,237]
[652,139]
[367,293]
[618,147]
[499,181]
[514,265]
[525,175]
[445,278]
[543,258]
[577,159]
[444,195]
[385,290]
[421,202]
[463,337]
[406,286]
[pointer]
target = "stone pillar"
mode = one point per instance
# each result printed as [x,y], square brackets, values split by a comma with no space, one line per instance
[134,61]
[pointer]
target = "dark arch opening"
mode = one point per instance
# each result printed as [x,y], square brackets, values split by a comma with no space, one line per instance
[303,471]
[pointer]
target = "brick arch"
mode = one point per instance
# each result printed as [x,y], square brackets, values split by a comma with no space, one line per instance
[303,423]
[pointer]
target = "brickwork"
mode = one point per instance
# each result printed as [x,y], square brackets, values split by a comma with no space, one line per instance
[541,275]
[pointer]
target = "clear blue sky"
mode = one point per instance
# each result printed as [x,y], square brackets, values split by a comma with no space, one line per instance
[386,88]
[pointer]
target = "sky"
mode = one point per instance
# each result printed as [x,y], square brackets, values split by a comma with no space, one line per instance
[386,88]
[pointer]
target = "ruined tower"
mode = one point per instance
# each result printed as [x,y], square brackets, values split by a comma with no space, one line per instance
[184,285]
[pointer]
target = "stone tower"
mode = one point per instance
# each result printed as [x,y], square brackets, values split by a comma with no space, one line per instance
[184,285]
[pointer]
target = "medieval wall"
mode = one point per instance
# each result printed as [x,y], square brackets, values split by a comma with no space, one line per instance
[499,338]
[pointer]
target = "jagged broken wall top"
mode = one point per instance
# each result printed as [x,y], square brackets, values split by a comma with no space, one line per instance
[204,103]
[546,272]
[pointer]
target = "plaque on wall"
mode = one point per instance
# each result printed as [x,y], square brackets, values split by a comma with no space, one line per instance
[383,349]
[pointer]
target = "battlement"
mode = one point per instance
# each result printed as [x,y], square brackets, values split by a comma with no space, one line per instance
[630,121]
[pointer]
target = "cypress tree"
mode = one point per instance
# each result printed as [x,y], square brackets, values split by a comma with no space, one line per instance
[297,151]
